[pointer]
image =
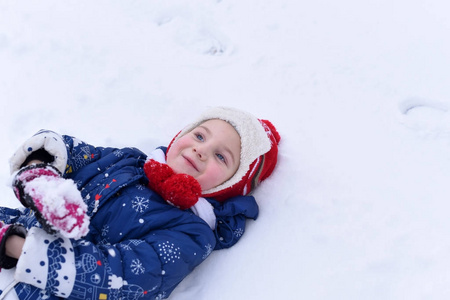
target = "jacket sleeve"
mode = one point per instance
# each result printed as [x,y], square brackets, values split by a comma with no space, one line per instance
[81,154]
[149,267]
[68,154]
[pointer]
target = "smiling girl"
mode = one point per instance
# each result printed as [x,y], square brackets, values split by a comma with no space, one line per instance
[142,236]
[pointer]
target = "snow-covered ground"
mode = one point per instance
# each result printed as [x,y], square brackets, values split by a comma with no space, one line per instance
[359,205]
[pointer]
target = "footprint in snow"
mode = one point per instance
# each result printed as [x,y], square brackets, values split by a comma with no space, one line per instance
[195,33]
[427,117]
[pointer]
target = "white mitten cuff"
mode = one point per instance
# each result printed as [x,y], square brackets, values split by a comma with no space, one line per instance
[50,141]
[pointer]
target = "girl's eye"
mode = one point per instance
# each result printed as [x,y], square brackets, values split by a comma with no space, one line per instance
[221,157]
[199,137]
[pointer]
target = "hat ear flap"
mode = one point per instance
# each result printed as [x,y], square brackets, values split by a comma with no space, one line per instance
[269,159]
[171,143]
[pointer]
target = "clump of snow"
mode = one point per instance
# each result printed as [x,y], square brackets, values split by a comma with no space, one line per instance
[61,204]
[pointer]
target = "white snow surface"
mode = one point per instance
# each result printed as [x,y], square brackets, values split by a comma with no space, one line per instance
[358,206]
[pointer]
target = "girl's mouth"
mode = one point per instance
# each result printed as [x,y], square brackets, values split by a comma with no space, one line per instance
[190,162]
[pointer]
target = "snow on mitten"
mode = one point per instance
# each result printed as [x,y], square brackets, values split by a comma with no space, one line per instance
[28,174]
[179,190]
[56,202]
[6,231]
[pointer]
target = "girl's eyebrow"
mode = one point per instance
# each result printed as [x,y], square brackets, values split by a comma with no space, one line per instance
[206,129]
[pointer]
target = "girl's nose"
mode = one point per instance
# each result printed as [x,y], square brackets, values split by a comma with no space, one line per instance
[199,151]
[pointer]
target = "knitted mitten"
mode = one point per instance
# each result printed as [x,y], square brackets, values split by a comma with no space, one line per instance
[179,190]
[56,202]
[6,231]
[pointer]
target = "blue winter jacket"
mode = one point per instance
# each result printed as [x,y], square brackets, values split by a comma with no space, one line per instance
[138,246]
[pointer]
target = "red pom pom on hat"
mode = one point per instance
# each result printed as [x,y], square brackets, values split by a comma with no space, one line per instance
[179,190]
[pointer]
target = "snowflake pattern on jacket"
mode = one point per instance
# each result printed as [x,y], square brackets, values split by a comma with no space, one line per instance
[138,246]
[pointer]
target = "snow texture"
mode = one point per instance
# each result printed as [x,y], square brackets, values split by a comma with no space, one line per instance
[60,203]
[358,207]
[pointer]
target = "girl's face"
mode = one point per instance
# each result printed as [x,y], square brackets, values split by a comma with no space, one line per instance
[210,153]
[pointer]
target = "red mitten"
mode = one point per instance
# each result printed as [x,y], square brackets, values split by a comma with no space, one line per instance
[56,202]
[179,190]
